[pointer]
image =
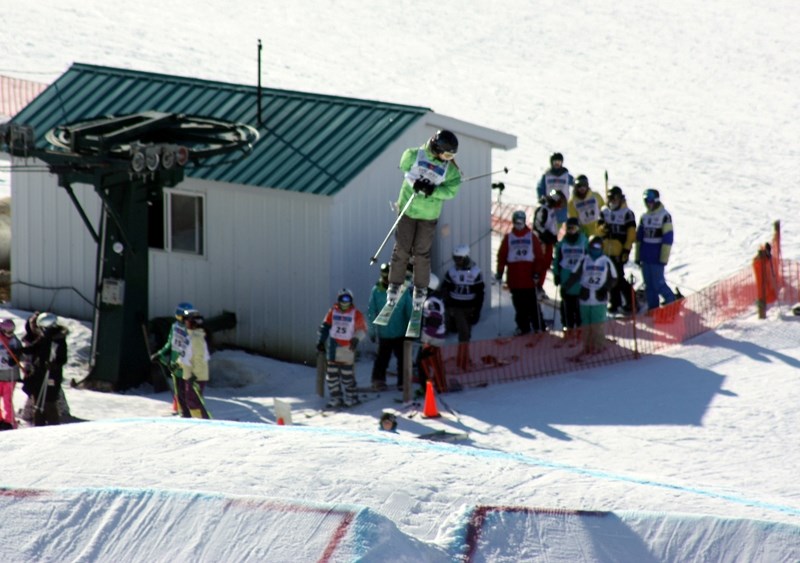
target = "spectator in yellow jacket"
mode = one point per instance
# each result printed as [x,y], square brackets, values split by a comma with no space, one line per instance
[194,362]
[585,205]
[618,225]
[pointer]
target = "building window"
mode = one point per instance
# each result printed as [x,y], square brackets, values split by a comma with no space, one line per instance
[185,222]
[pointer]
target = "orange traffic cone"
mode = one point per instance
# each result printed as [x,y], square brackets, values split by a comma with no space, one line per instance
[430,410]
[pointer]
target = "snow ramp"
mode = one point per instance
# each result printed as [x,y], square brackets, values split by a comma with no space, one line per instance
[503,534]
[118,525]
[121,525]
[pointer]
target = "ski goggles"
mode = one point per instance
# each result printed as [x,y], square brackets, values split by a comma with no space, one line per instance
[345,299]
[446,155]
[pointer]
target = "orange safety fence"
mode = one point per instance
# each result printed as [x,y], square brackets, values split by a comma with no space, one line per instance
[16,93]
[506,359]
[502,212]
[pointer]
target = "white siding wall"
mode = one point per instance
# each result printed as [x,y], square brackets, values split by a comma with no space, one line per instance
[51,247]
[275,258]
[267,261]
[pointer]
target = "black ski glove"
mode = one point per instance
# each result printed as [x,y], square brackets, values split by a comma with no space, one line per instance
[424,185]
[320,347]
[353,344]
[193,379]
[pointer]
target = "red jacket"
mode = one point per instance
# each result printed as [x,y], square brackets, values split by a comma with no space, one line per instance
[515,254]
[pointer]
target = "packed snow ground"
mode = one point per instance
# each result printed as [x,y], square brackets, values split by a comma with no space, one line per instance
[694,451]
[672,456]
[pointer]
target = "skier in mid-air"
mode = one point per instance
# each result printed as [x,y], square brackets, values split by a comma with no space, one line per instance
[431,176]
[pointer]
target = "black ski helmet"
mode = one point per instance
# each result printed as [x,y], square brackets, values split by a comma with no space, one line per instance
[556,156]
[582,181]
[616,191]
[444,141]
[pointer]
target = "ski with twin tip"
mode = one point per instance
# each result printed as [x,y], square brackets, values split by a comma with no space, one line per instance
[414,324]
[386,313]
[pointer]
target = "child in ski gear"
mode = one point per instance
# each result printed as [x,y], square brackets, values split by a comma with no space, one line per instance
[618,225]
[595,275]
[432,337]
[390,337]
[521,252]
[48,353]
[585,204]
[172,351]
[431,176]
[194,365]
[569,251]
[654,238]
[342,328]
[463,290]
[546,227]
[10,348]
[556,177]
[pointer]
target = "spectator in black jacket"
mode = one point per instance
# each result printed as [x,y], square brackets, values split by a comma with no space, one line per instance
[46,347]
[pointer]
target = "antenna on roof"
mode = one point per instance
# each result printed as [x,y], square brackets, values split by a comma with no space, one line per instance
[260,121]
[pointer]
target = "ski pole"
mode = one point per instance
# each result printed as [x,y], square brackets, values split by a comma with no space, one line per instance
[470,178]
[555,306]
[160,365]
[499,306]
[199,395]
[394,226]
[408,204]
[42,392]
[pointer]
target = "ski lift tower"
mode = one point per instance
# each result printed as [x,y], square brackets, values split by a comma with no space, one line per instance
[129,160]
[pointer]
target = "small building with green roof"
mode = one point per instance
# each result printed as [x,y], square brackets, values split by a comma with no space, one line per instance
[271,236]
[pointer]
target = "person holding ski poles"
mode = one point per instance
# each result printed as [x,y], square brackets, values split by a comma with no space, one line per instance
[48,352]
[618,225]
[431,176]
[521,254]
[194,365]
[172,351]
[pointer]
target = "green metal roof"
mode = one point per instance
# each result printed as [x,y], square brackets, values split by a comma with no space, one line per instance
[309,143]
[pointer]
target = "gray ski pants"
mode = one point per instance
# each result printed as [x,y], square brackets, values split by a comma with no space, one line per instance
[414,237]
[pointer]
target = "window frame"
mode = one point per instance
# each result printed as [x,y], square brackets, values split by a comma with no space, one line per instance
[168,223]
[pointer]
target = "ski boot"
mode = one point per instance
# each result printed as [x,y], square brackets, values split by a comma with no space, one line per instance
[419,298]
[392,294]
[335,403]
